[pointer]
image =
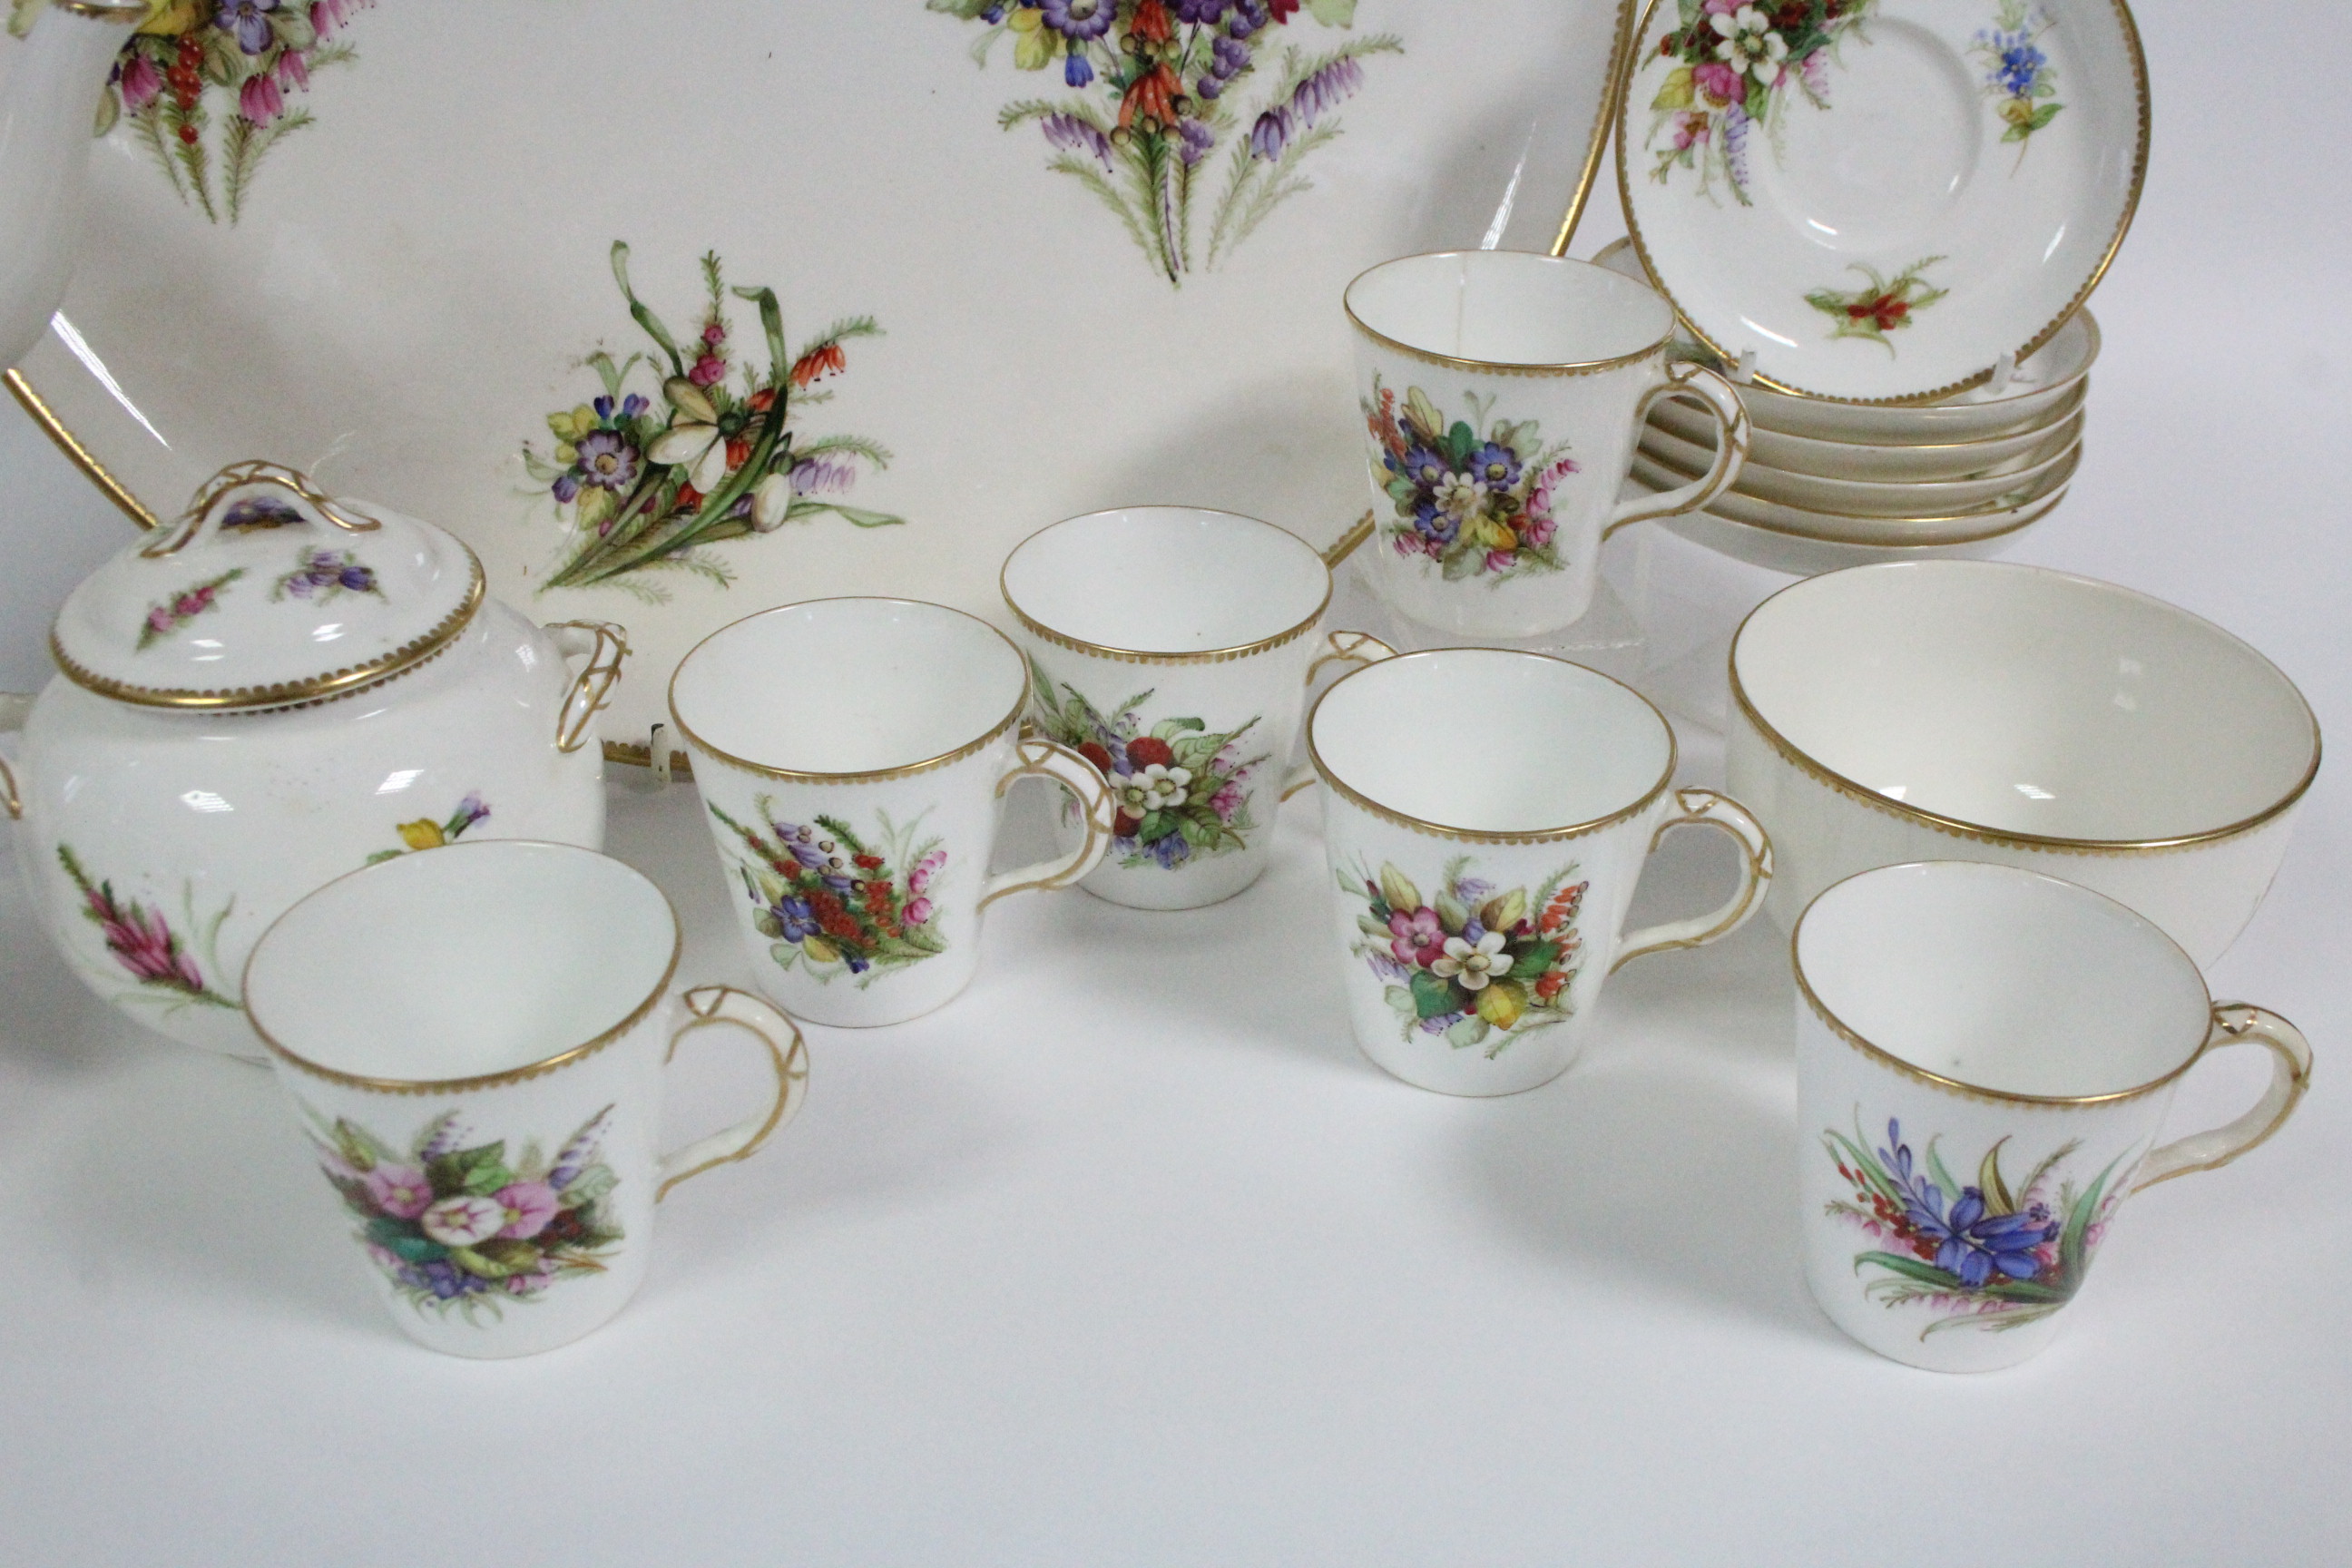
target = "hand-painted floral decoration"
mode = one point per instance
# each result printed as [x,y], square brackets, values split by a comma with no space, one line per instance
[1156,107]
[1477,504]
[177,611]
[323,577]
[464,1229]
[426,834]
[192,56]
[1737,62]
[833,902]
[2019,78]
[163,963]
[258,514]
[1182,790]
[1887,305]
[648,482]
[1474,966]
[1982,1255]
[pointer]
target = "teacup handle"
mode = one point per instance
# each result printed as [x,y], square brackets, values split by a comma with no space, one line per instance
[604,646]
[1041,758]
[2239,1023]
[1721,400]
[1704,809]
[14,708]
[725,1004]
[1357,648]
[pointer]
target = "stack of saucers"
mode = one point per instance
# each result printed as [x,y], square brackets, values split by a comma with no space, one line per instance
[1830,484]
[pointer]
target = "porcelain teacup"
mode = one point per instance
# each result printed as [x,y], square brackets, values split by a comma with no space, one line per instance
[1984,1057]
[474,1039]
[1502,394]
[1486,814]
[1172,648]
[852,757]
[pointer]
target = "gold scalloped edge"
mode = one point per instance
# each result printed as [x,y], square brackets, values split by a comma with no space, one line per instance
[290,693]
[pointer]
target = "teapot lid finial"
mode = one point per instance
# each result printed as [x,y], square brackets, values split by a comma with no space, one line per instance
[265,592]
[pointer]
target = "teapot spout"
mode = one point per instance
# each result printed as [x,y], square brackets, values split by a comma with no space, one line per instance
[49,107]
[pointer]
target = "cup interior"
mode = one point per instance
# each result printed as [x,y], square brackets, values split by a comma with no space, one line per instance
[1166,579]
[1509,307]
[2026,700]
[463,960]
[1489,740]
[2002,979]
[848,686]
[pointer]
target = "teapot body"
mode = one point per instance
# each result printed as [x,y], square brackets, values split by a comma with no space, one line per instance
[161,844]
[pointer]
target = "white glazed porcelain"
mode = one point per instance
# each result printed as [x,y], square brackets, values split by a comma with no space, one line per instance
[1984,1060]
[276,691]
[1854,497]
[852,757]
[1773,451]
[46,109]
[1881,203]
[1501,394]
[1942,528]
[475,1043]
[1172,647]
[973,342]
[2045,386]
[1982,712]
[1806,557]
[1486,814]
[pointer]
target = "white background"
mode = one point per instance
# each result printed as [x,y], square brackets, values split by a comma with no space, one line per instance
[1127,1255]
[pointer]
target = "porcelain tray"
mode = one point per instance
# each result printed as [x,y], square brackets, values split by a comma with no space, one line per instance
[995,268]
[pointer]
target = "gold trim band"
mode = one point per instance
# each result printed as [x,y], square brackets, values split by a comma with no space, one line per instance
[290,693]
[1038,628]
[1476,836]
[1958,829]
[1503,367]
[871,776]
[1885,1058]
[2129,30]
[81,456]
[485,1080]
[1604,120]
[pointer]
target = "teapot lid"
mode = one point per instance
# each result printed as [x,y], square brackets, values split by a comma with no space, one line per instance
[266,593]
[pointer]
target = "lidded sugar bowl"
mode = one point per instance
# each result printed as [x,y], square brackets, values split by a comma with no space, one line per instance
[276,690]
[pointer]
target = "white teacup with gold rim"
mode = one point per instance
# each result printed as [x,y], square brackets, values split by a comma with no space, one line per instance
[853,756]
[1486,814]
[1172,646]
[1984,1059]
[1502,394]
[475,1041]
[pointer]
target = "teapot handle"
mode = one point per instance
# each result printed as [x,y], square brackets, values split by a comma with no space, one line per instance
[205,509]
[14,708]
[606,646]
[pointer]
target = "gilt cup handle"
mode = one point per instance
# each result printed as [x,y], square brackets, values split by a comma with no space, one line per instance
[2238,1023]
[1084,783]
[1704,809]
[787,1053]
[1721,400]
[15,707]
[604,646]
[1354,649]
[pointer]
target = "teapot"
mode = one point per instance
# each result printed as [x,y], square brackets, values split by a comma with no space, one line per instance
[47,111]
[277,689]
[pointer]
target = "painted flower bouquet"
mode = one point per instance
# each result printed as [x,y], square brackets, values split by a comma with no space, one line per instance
[832,902]
[1982,1254]
[260,51]
[1882,305]
[1475,965]
[164,965]
[648,482]
[459,1229]
[1478,505]
[2019,77]
[1180,791]
[424,832]
[1736,62]
[1156,87]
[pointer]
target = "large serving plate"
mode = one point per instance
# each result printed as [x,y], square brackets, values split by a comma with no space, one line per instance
[1879,199]
[528,271]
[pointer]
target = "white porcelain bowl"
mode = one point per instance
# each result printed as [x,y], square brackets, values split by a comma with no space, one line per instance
[1905,465]
[1866,497]
[1941,528]
[1976,711]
